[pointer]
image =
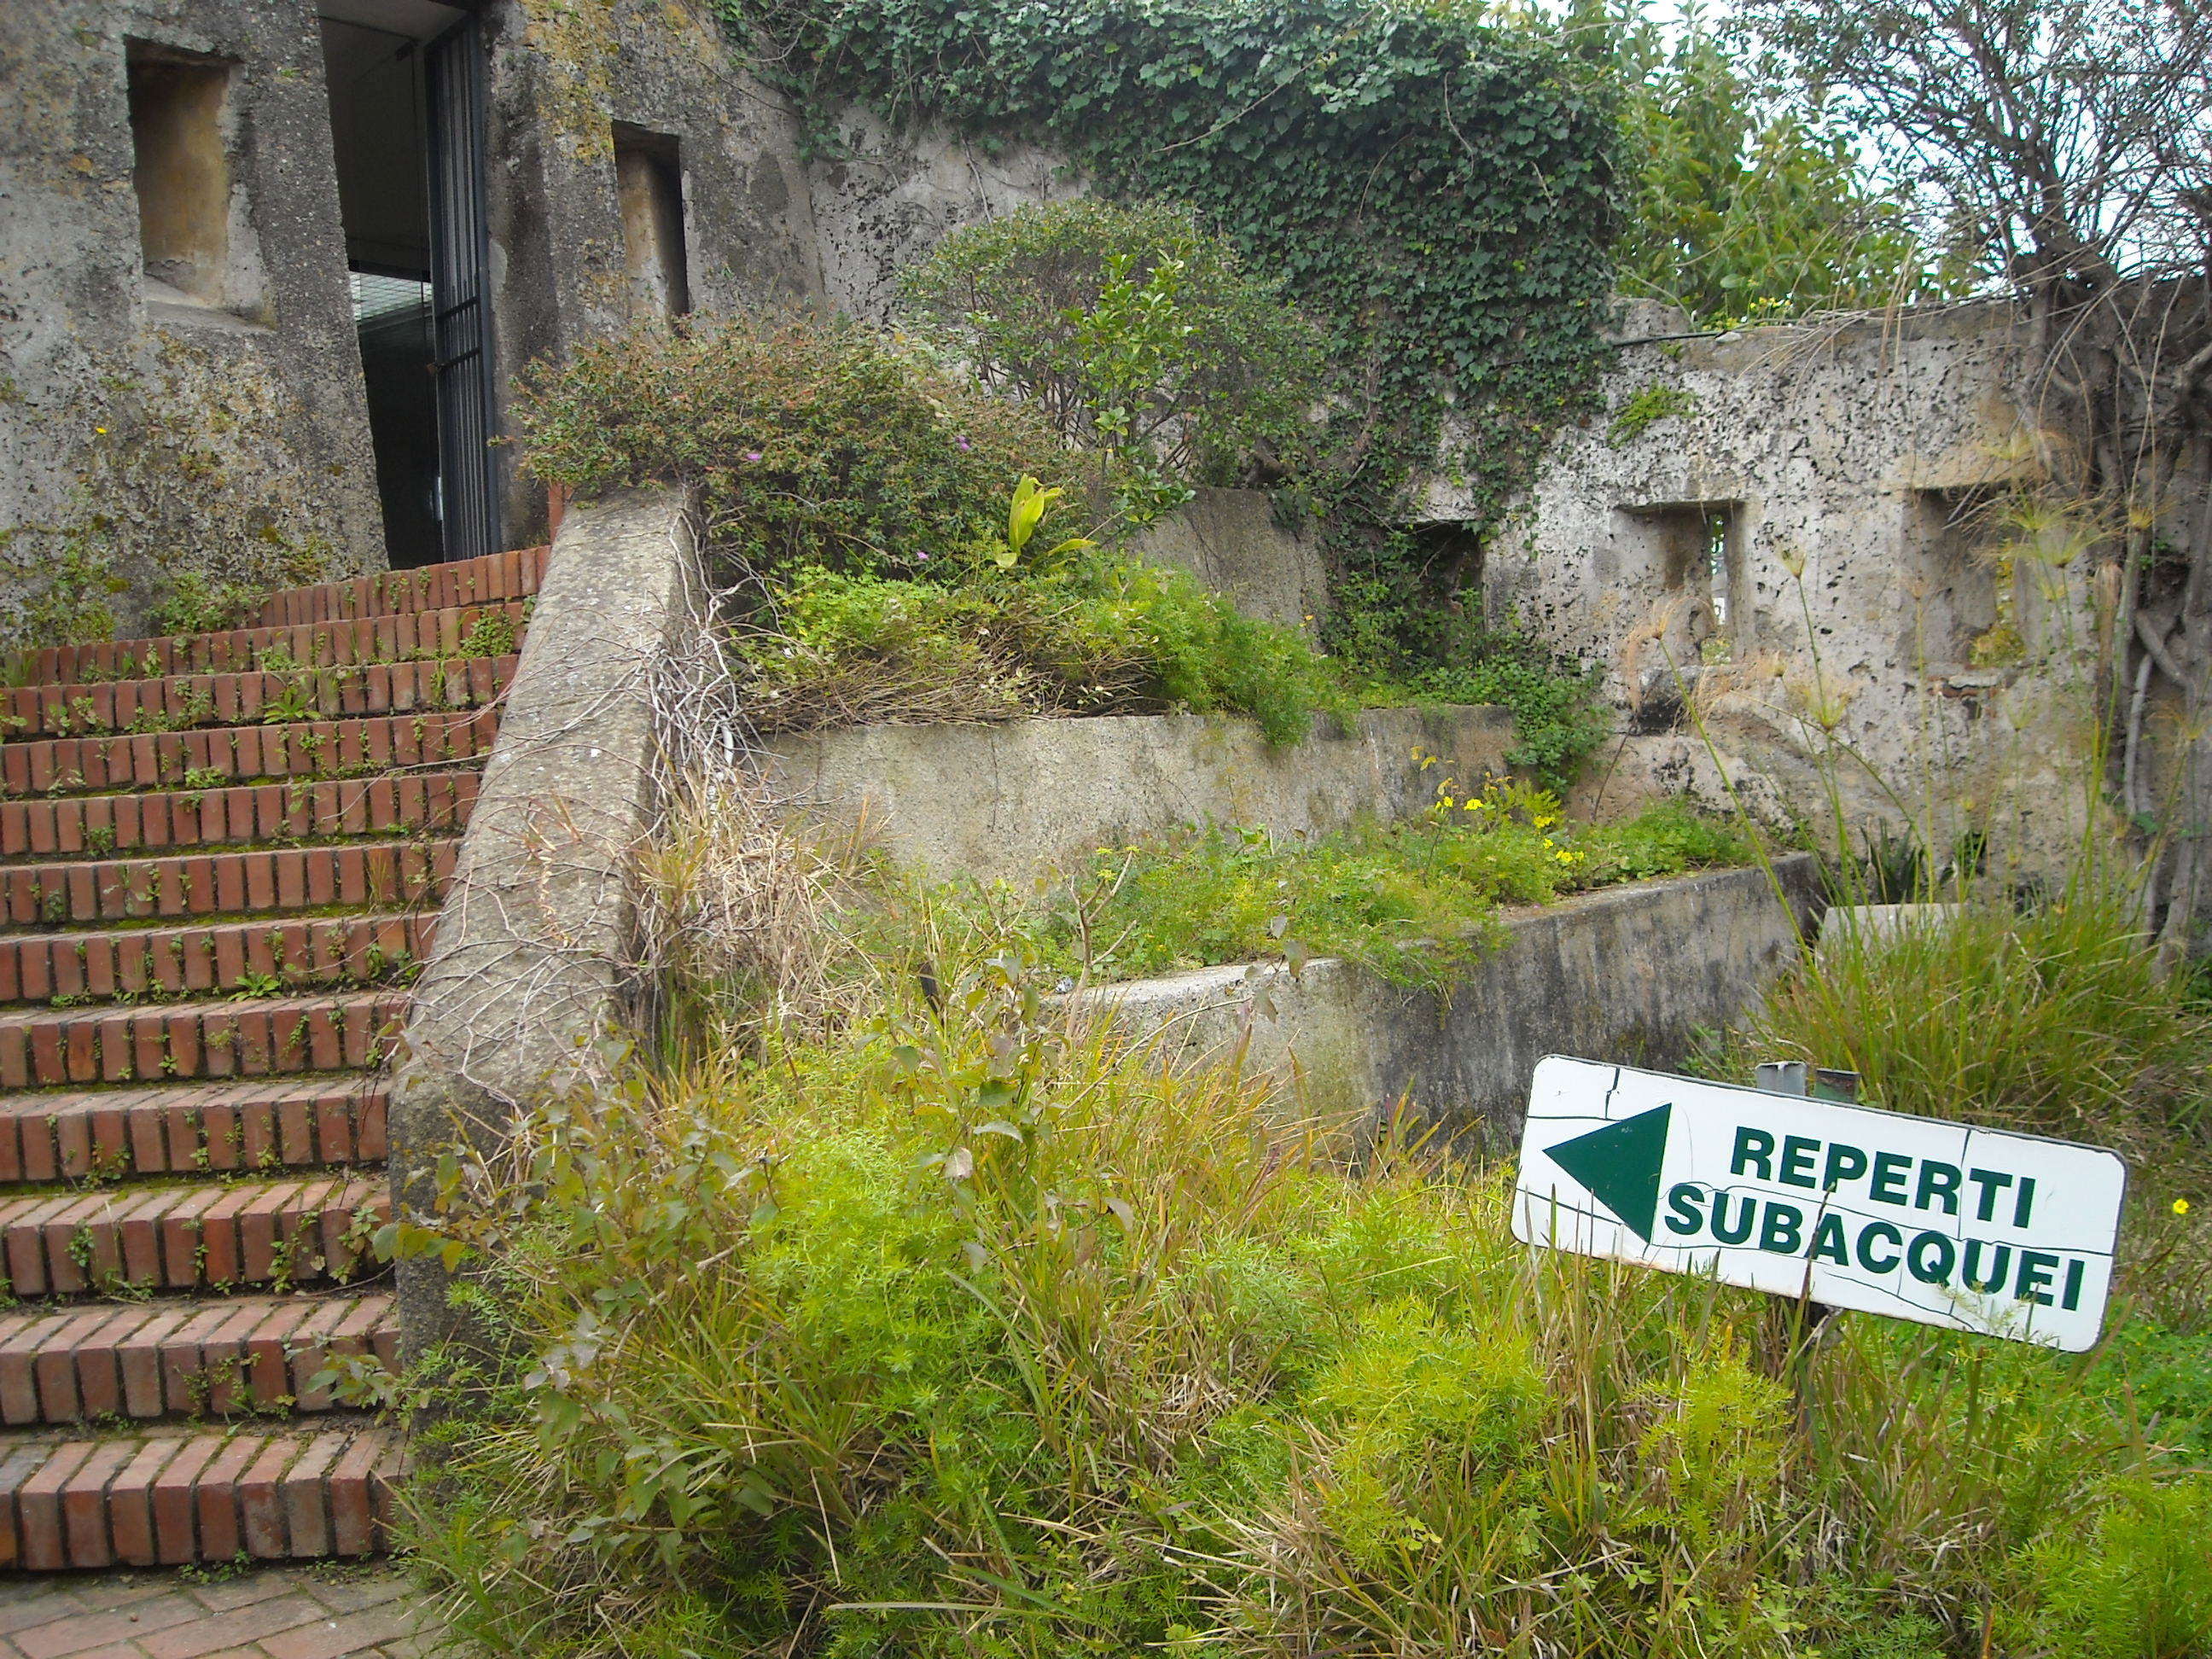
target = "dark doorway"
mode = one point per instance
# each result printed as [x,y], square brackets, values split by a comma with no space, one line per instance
[390,67]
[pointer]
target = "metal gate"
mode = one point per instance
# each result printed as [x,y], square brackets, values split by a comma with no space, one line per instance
[460,256]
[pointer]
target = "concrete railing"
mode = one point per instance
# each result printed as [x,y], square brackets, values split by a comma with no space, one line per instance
[535,951]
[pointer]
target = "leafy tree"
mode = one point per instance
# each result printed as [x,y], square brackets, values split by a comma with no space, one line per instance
[2066,145]
[1132,330]
[1749,199]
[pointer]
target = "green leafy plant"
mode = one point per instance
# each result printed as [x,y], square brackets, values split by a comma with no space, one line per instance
[1646,408]
[196,604]
[1135,331]
[492,634]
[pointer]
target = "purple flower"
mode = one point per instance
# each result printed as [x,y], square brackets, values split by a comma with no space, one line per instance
[924,557]
[965,444]
[752,455]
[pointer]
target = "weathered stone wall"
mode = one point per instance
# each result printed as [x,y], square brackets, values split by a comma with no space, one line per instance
[1629,974]
[894,191]
[536,952]
[1858,630]
[142,428]
[562,73]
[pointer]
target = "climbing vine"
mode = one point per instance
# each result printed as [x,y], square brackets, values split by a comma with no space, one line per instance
[1438,193]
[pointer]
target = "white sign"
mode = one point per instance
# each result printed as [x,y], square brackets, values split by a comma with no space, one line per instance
[2008,1234]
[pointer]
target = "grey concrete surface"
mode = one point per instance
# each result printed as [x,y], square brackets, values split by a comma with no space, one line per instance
[1009,801]
[334,1611]
[1627,974]
[534,951]
[1230,540]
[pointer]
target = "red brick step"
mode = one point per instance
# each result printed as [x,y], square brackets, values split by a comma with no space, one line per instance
[402,637]
[159,705]
[225,884]
[187,1128]
[165,1499]
[326,951]
[225,754]
[407,802]
[187,1358]
[47,1048]
[205,1235]
[509,575]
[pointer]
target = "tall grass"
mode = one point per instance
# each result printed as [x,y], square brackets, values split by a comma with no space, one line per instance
[2049,1015]
[974,1332]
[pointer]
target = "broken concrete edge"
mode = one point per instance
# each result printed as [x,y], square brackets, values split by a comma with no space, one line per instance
[1630,975]
[1014,801]
[537,954]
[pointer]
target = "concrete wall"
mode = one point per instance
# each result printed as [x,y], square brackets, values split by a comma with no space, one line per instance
[1008,801]
[1628,974]
[1855,466]
[1232,542]
[226,433]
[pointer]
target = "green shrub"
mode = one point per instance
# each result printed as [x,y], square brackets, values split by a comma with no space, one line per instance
[1402,642]
[1132,330]
[2132,1579]
[809,446]
[1089,633]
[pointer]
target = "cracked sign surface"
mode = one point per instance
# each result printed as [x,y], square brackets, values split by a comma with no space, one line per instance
[1977,1229]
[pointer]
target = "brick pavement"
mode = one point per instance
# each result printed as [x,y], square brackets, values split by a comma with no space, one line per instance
[322,1611]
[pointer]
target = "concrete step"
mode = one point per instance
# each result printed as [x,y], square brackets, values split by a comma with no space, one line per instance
[211,884]
[212,757]
[194,1235]
[182,702]
[68,970]
[218,1357]
[97,826]
[191,1128]
[401,637]
[329,1031]
[164,1500]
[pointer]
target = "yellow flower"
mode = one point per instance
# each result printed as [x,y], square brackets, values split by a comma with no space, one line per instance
[100,431]
[2181,1207]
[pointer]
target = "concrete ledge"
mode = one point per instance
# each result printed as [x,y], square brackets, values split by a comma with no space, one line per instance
[1008,801]
[1627,974]
[535,948]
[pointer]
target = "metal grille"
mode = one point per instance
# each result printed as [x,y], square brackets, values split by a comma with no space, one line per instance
[460,254]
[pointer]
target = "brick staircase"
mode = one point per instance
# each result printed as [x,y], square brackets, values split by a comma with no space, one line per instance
[220,860]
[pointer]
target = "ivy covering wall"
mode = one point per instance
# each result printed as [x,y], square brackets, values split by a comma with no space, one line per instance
[1438,194]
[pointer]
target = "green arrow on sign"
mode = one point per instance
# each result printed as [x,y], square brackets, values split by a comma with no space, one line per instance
[1619,1164]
